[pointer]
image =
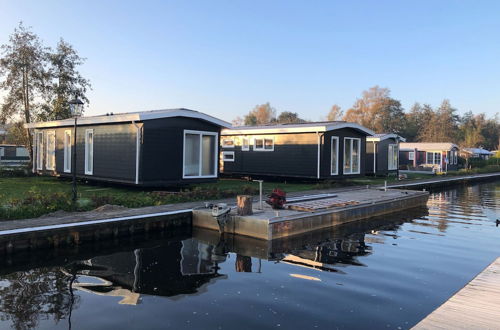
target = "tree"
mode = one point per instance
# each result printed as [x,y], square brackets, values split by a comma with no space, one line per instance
[66,82]
[377,111]
[261,115]
[335,114]
[24,69]
[287,117]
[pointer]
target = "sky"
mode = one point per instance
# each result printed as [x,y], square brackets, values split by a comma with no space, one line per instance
[225,57]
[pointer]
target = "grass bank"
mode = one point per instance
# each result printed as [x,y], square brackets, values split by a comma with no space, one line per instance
[33,196]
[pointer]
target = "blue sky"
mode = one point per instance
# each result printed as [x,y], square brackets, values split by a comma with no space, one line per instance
[224,57]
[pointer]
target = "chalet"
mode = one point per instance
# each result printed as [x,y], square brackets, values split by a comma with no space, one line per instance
[476,153]
[150,148]
[428,156]
[318,150]
[3,133]
[382,153]
[13,155]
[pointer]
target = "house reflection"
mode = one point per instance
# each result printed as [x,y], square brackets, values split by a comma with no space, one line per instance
[176,268]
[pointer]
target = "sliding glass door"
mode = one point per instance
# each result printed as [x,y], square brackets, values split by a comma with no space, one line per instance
[200,154]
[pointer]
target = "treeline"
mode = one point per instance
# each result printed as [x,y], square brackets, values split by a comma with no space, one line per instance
[377,110]
[37,81]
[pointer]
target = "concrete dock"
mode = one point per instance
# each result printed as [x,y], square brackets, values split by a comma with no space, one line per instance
[476,306]
[344,207]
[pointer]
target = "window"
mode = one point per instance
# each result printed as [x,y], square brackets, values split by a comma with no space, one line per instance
[393,157]
[434,158]
[227,143]
[22,152]
[352,153]
[1,153]
[263,144]
[455,156]
[245,144]
[228,156]
[39,150]
[89,151]
[67,151]
[411,155]
[50,157]
[334,159]
[200,154]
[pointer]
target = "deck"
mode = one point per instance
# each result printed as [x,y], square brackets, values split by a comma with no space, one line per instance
[476,306]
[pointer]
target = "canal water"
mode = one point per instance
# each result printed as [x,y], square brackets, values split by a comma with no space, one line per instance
[386,273]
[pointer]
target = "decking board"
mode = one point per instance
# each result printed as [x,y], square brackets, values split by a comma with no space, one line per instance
[476,306]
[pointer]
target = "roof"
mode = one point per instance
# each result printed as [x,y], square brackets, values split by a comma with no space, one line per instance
[130,117]
[296,128]
[428,145]
[479,151]
[385,136]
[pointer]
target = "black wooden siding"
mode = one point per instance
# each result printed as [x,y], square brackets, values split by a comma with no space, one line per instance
[114,151]
[162,149]
[294,155]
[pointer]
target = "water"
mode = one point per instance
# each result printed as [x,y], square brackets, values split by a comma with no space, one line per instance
[384,274]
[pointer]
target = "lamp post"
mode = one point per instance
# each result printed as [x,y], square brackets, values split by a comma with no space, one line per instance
[76,109]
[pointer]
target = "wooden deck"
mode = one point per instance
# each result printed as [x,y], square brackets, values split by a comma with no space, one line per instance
[476,306]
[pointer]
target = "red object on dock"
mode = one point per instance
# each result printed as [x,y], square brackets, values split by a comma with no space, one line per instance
[277,199]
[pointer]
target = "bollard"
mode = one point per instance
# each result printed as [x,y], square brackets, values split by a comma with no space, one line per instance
[244,203]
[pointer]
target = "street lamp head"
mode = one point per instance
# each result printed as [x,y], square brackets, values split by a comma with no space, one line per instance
[76,107]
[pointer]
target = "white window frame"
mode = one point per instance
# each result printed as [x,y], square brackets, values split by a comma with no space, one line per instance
[50,154]
[39,150]
[225,153]
[411,155]
[263,138]
[67,151]
[89,149]
[433,162]
[243,139]
[336,139]
[200,133]
[228,139]
[391,157]
[351,139]
[22,152]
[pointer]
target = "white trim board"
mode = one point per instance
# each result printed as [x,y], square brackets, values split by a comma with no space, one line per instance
[297,128]
[130,117]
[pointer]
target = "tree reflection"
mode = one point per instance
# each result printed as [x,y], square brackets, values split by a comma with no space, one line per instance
[26,297]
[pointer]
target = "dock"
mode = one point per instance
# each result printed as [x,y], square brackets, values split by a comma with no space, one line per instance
[476,306]
[300,217]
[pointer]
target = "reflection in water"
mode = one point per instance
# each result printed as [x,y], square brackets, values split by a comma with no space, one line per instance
[202,266]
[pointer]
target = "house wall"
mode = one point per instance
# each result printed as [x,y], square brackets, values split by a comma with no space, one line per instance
[114,152]
[294,155]
[162,149]
[371,150]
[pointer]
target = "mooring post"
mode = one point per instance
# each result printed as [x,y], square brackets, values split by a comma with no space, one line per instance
[385,185]
[244,203]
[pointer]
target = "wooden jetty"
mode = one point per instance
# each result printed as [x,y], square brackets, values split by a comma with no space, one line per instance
[476,306]
[310,215]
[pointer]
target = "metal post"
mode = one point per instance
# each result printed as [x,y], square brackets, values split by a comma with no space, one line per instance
[73,161]
[385,185]
[260,193]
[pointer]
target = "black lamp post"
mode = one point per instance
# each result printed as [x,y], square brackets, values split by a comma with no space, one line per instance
[76,109]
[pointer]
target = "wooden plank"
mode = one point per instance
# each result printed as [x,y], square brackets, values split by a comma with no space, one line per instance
[476,306]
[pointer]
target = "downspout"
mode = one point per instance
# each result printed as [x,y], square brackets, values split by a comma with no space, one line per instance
[34,151]
[318,174]
[137,150]
[374,159]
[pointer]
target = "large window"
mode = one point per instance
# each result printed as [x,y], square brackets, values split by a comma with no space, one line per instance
[334,159]
[263,144]
[200,154]
[393,157]
[352,154]
[67,151]
[411,155]
[434,158]
[39,150]
[227,142]
[89,151]
[50,157]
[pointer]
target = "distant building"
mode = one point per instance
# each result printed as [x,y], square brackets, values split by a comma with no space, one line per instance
[13,155]
[476,153]
[382,153]
[430,156]
[3,133]
[150,148]
[317,150]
